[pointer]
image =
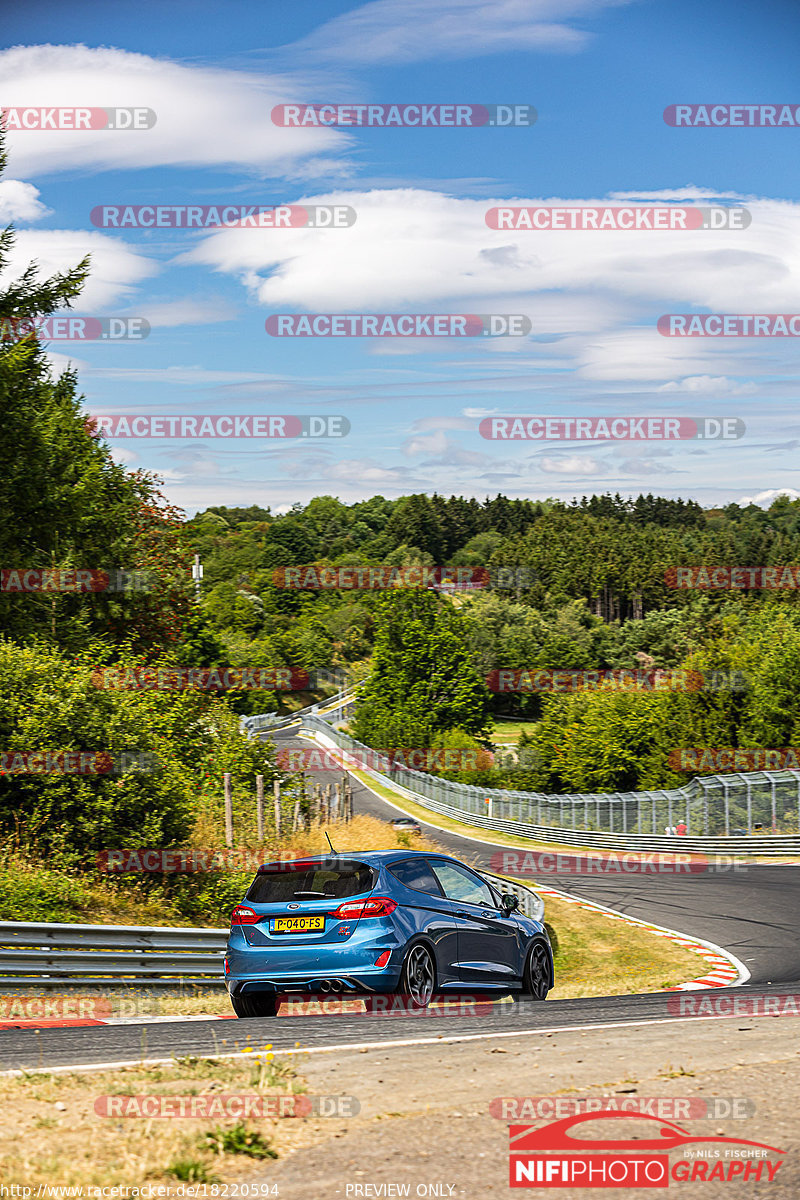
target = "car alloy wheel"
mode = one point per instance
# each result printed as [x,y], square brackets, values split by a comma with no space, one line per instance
[537,973]
[419,976]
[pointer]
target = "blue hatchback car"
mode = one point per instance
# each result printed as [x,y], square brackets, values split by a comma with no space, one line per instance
[388,921]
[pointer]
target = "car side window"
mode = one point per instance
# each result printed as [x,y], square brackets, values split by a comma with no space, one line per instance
[416,873]
[460,884]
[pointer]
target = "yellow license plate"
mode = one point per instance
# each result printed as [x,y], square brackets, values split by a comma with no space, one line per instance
[296,924]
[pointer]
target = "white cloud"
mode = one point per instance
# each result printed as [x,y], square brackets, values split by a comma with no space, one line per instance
[414,248]
[708,385]
[442,422]
[644,355]
[190,310]
[115,267]
[20,202]
[364,470]
[447,452]
[573,464]
[764,499]
[204,115]
[402,31]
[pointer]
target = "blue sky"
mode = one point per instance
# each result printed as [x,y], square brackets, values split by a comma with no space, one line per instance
[599,72]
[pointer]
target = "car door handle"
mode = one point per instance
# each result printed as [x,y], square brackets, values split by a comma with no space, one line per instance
[459,913]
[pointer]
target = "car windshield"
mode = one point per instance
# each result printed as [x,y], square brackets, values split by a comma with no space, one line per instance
[337,880]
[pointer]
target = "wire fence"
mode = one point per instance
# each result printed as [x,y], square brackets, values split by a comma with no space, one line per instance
[739,805]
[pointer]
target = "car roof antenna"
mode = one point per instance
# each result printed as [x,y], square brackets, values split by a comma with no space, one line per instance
[330,843]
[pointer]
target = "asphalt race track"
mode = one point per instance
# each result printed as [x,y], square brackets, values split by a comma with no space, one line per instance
[752,913]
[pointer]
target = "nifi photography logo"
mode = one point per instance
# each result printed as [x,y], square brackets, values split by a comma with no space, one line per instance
[552,1156]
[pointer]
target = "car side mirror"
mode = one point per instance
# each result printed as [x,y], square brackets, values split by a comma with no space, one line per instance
[509,902]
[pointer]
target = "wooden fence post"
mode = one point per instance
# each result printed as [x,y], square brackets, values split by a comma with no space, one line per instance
[277,788]
[260,808]
[226,783]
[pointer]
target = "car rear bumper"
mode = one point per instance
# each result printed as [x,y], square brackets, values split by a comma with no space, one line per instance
[308,968]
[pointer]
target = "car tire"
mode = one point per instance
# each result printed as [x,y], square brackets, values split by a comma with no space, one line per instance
[536,977]
[418,977]
[258,1004]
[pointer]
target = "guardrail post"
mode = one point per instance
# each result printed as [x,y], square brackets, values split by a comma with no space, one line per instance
[277,791]
[226,785]
[749,808]
[260,808]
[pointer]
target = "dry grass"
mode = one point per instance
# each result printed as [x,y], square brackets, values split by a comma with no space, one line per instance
[598,956]
[51,1134]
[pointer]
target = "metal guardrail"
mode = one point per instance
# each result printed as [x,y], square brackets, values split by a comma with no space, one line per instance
[45,955]
[264,722]
[482,807]
[530,902]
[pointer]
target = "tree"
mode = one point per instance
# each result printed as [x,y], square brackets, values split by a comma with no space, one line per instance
[66,504]
[423,679]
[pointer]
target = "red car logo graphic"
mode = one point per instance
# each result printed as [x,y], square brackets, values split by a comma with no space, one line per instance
[556,1138]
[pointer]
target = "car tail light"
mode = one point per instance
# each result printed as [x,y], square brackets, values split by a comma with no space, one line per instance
[227,967]
[375,906]
[242,915]
[383,959]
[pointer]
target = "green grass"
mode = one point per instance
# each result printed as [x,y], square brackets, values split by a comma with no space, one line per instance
[239,1139]
[508,732]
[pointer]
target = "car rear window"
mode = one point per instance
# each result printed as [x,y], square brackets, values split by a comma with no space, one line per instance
[339,879]
[416,873]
